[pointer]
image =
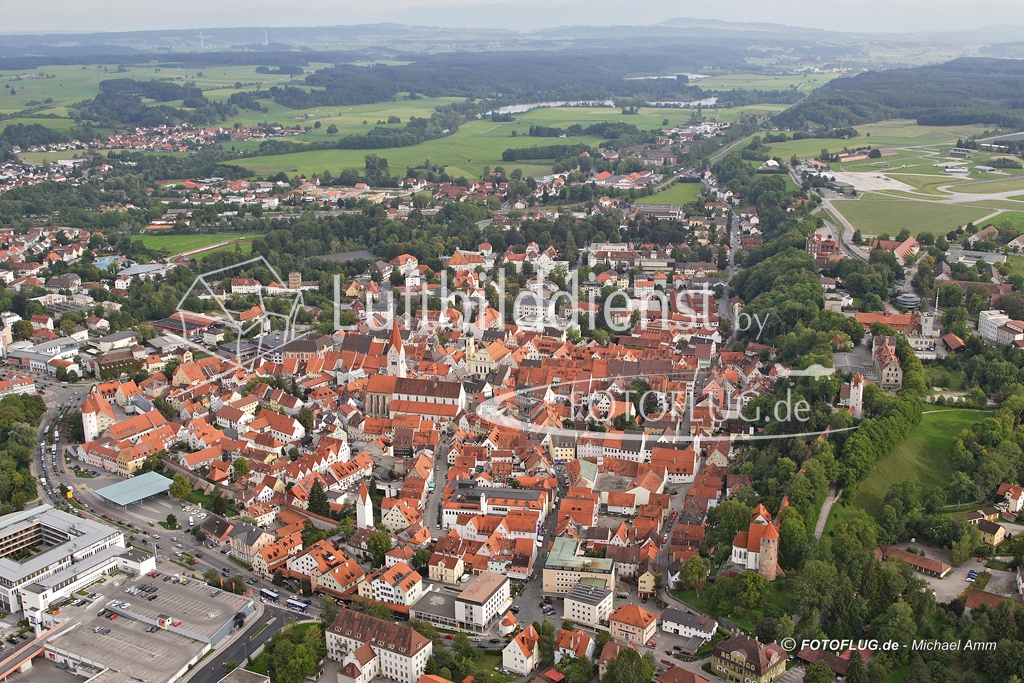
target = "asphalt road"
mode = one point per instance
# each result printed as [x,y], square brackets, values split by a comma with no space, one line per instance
[213,667]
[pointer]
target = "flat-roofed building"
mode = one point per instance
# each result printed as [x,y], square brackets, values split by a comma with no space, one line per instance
[65,554]
[564,568]
[482,601]
[587,604]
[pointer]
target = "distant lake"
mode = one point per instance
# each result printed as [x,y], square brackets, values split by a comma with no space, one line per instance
[523,108]
[706,102]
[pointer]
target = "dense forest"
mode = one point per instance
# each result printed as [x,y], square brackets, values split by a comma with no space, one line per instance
[962,91]
[19,422]
[120,102]
[491,80]
[444,121]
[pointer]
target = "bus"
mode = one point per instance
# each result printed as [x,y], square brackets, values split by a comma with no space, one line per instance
[296,605]
[54,451]
[269,595]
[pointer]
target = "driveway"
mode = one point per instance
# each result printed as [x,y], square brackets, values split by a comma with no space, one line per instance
[955,583]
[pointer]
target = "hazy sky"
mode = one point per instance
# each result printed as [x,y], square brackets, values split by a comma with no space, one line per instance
[848,15]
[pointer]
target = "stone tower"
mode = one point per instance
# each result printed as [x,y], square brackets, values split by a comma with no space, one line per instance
[396,353]
[768,557]
[364,508]
[857,396]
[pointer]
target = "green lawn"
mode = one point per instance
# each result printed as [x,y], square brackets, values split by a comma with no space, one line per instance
[1014,218]
[1016,264]
[206,501]
[680,193]
[923,457]
[179,244]
[780,595]
[994,183]
[873,214]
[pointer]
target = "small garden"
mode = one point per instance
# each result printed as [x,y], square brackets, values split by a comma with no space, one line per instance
[744,600]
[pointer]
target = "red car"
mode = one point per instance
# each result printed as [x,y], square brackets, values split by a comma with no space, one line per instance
[449,636]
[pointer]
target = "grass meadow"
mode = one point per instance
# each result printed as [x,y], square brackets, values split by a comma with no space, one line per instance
[680,193]
[874,214]
[180,244]
[923,457]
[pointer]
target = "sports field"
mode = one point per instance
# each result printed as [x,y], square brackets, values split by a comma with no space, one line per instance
[680,193]
[180,244]
[923,457]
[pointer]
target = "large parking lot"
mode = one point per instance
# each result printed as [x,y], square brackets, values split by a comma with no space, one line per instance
[201,610]
[154,634]
[125,649]
[955,582]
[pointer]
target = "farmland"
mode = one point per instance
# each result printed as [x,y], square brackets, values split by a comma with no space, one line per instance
[50,90]
[479,143]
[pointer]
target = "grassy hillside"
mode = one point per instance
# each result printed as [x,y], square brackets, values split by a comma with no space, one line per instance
[923,457]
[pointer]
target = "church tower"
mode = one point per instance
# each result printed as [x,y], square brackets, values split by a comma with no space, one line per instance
[470,354]
[364,508]
[857,396]
[768,557]
[396,353]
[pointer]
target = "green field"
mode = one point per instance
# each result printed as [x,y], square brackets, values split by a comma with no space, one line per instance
[926,184]
[1015,184]
[1015,219]
[680,193]
[477,143]
[874,214]
[180,244]
[923,457]
[1016,264]
[884,134]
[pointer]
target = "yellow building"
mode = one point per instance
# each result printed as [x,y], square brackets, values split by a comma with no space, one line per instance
[446,569]
[991,533]
[744,660]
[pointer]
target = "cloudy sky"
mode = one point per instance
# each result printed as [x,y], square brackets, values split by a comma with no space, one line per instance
[849,15]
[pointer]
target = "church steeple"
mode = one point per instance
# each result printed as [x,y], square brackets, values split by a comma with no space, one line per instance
[396,353]
[396,338]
